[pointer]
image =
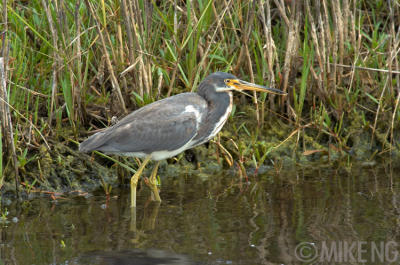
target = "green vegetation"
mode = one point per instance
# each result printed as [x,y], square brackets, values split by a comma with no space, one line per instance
[73,65]
[1,160]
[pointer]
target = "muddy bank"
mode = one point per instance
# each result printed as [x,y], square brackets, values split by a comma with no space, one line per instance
[275,147]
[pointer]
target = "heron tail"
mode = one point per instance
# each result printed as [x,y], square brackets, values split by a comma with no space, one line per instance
[93,142]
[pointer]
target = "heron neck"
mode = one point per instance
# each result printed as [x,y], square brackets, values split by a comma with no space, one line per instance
[218,102]
[219,105]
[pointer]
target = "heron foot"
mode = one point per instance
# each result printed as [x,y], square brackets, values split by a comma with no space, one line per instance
[135,179]
[152,183]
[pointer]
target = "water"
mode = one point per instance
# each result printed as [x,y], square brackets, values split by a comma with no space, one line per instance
[279,218]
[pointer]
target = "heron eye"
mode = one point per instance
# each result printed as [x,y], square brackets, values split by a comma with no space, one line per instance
[227,81]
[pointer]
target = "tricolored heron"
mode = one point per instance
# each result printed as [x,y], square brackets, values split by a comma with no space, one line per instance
[172,125]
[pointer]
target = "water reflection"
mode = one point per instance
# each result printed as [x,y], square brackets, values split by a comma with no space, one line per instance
[133,257]
[218,220]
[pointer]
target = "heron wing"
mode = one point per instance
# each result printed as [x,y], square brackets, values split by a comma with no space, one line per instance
[163,125]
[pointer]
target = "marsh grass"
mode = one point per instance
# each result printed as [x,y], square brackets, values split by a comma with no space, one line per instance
[1,159]
[73,65]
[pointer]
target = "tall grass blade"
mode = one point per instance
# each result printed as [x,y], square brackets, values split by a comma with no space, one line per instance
[1,159]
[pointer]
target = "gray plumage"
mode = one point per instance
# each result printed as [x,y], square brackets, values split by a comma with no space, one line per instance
[167,127]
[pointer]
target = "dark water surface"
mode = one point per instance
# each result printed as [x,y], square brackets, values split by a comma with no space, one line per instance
[279,218]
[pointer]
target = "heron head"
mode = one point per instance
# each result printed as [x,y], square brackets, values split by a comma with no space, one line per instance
[222,82]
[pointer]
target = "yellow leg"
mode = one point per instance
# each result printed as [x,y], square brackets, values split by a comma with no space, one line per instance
[135,179]
[153,182]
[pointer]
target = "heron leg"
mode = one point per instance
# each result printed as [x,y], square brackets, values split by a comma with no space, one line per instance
[153,182]
[135,179]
